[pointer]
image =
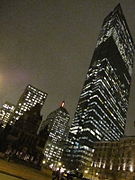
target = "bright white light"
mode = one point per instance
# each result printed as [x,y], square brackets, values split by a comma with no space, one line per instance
[86,171]
[104,165]
[43,162]
[51,166]
[62,169]
[124,166]
[111,167]
[131,168]
[59,163]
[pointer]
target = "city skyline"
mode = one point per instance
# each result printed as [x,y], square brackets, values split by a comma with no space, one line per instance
[66,46]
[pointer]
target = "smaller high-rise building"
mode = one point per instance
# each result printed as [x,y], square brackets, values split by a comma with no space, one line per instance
[30,98]
[57,123]
[6,112]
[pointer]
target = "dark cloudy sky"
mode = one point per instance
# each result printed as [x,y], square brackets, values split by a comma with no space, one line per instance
[49,44]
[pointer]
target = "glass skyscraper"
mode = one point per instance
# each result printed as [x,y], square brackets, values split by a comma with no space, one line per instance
[57,124]
[102,108]
[6,112]
[30,98]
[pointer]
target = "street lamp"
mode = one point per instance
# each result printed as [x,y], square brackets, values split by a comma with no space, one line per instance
[59,163]
[43,162]
[86,171]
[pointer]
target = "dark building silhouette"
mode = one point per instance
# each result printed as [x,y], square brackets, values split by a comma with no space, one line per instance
[102,108]
[23,140]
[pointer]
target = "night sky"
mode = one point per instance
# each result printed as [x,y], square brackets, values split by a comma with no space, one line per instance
[49,44]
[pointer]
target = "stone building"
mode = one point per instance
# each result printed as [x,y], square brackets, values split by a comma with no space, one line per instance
[114,160]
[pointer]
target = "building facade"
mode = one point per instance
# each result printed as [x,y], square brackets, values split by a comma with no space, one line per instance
[30,98]
[102,108]
[114,160]
[57,124]
[6,112]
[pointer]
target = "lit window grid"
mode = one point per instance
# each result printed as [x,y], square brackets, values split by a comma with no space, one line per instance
[29,99]
[85,95]
[117,28]
[58,133]
[6,112]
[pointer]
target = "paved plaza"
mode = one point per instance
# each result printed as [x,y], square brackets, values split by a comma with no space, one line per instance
[8,177]
[13,171]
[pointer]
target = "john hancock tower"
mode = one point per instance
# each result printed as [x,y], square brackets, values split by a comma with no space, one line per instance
[102,108]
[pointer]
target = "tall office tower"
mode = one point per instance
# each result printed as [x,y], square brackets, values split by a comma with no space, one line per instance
[6,112]
[57,125]
[30,97]
[102,108]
